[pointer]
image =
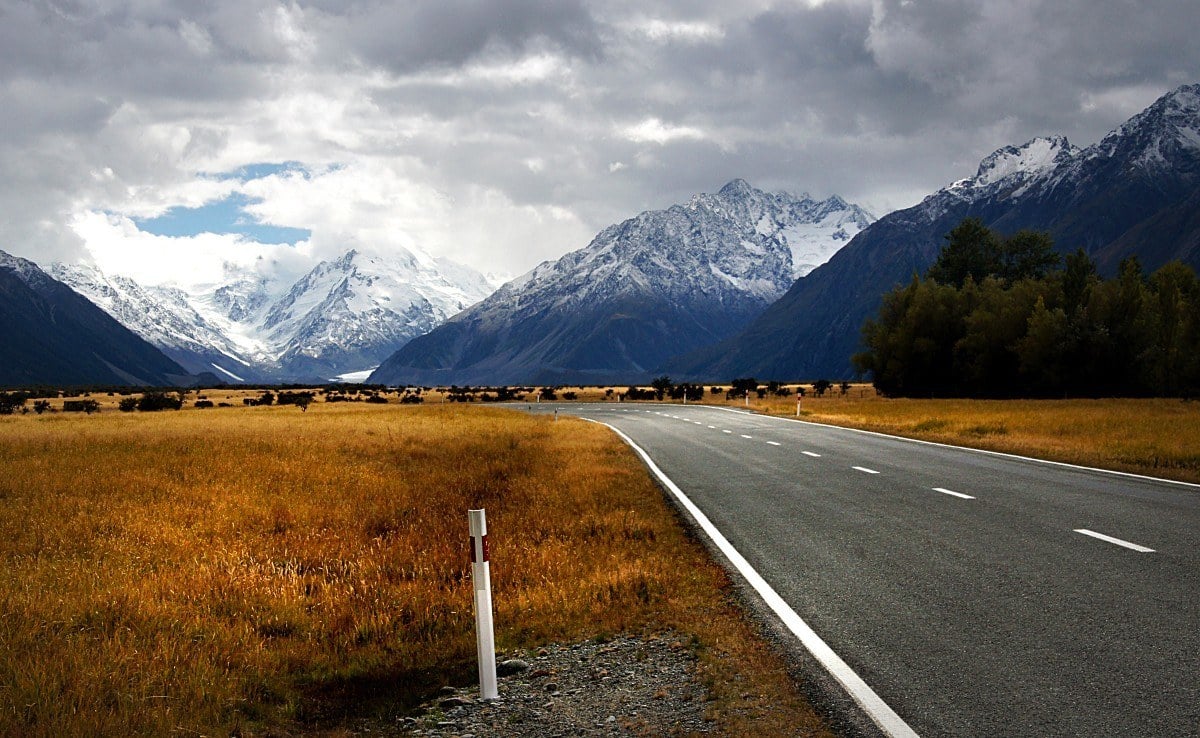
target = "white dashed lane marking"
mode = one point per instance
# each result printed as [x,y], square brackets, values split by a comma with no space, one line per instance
[810,453]
[1116,541]
[864,469]
[774,443]
[952,493]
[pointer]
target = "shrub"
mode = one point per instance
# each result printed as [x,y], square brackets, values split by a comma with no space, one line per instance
[10,401]
[155,400]
[75,406]
[300,399]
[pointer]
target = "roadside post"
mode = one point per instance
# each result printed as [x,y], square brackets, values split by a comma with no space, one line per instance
[481,578]
[799,396]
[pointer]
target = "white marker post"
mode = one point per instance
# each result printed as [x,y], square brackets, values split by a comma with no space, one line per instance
[481,576]
[798,398]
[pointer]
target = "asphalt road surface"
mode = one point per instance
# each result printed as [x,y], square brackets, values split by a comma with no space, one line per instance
[976,594]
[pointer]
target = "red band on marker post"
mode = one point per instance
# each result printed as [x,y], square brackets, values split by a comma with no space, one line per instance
[483,547]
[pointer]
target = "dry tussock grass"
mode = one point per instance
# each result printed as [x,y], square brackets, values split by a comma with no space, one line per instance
[268,570]
[1160,437]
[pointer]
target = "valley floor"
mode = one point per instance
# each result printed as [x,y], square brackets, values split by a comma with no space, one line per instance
[268,571]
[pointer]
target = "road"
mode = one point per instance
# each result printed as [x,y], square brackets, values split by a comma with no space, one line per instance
[976,594]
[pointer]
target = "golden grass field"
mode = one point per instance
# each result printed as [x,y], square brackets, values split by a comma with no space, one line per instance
[270,572]
[1158,437]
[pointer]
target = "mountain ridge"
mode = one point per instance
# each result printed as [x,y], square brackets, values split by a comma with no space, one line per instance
[661,281]
[1111,199]
[344,315]
[54,336]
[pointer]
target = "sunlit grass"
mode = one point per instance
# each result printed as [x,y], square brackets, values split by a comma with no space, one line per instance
[261,568]
[1160,437]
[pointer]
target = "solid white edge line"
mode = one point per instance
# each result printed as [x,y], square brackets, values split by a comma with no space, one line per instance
[864,469]
[952,493]
[880,713]
[962,448]
[1117,541]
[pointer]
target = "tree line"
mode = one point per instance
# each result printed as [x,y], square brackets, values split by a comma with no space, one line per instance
[1000,316]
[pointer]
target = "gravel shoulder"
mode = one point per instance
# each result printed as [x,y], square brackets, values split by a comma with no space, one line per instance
[644,686]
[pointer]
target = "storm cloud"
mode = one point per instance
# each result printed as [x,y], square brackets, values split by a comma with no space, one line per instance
[499,134]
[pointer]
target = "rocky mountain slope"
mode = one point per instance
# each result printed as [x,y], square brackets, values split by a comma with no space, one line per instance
[346,315]
[51,335]
[655,285]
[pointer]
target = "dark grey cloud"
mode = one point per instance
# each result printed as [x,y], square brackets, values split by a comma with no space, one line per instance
[598,110]
[404,37]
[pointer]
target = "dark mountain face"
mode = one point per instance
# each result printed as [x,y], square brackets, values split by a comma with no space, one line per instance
[1135,192]
[53,336]
[653,286]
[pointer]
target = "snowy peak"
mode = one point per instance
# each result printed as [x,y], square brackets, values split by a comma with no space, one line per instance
[660,283]
[345,315]
[736,189]
[29,273]
[348,313]
[1032,159]
[813,230]
[740,239]
[1162,135]
[242,299]
[164,316]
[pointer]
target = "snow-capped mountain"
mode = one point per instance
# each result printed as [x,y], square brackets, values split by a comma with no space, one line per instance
[1136,192]
[658,283]
[164,316]
[241,300]
[344,316]
[349,314]
[52,335]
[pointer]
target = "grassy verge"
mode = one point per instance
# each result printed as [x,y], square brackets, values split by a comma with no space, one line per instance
[269,571]
[1159,437]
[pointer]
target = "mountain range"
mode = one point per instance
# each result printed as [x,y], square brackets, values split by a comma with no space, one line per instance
[656,285]
[1136,192]
[53,336]
[737,283]
[344,316]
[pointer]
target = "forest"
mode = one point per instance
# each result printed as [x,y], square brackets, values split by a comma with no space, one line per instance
[1007,316]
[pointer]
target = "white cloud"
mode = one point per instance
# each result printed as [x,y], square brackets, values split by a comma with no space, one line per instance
[657,29]
[653,130]
[116,245]
[488,132]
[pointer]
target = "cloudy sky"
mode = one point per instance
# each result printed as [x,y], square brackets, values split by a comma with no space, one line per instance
[166,138]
